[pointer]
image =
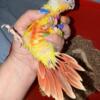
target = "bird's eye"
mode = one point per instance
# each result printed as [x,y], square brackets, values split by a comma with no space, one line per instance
[66,0]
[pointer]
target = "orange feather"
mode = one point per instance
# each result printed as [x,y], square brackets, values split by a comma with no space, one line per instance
[54,81]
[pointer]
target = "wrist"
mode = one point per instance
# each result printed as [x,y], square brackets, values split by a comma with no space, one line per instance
[23,61]
[19,76]
[18,52]
[21,67]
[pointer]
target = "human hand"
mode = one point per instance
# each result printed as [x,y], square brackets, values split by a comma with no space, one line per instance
[26,19]
[22,24]
[56,39]
[20,68]
[18,52]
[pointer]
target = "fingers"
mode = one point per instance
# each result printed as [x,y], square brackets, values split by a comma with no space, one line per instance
[65,20]
[31,15]
[26,19]
[56,40]
[66,29]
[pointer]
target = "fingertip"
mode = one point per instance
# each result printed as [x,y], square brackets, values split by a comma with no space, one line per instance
[65,20]
[33,15]
[66,36]
[67,31]
[43,11]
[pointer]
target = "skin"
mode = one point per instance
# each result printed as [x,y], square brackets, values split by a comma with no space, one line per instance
[18,72]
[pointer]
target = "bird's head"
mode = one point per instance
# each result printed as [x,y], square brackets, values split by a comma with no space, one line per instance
[60,5]
[71,3]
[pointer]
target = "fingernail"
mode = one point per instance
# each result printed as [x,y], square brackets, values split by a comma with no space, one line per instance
[60,26]
[44,11]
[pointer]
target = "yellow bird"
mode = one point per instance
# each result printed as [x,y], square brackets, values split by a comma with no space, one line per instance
[57,71]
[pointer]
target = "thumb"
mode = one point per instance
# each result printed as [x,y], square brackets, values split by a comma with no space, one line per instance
[26,19]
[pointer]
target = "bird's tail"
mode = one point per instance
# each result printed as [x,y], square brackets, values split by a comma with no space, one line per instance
[53,81]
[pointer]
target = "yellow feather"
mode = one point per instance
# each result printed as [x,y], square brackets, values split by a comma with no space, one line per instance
[55,68]
[33,36]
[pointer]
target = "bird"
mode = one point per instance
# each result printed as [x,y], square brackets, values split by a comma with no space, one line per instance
[57,72]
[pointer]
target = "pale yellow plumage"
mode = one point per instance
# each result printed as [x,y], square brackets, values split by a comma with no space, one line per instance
[57,71]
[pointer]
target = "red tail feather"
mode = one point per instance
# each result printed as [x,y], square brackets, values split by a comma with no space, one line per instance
[53,81]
